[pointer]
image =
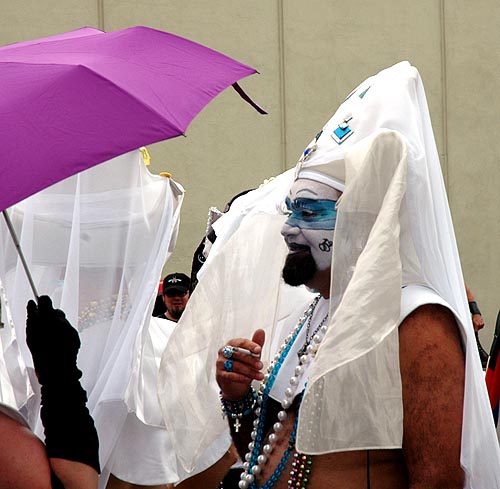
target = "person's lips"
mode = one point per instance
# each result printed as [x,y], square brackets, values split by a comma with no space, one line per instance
[297,248]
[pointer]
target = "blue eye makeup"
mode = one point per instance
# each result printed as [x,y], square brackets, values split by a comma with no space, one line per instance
[311,214]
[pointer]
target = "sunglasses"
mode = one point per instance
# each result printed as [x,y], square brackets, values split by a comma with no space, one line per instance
[175,293]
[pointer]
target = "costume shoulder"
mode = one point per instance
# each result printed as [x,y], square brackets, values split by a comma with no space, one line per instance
[413,296]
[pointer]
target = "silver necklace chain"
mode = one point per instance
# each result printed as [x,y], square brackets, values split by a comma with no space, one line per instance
[308,339]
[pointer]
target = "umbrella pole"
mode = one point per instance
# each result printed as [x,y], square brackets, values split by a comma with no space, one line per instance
[20,252]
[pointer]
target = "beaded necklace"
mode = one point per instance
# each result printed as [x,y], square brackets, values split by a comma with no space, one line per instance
[259,453]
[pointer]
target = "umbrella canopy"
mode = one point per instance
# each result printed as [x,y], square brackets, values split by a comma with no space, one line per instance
[75,100]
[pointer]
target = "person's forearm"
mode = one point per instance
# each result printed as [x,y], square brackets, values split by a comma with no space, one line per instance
[241,438]
[74,475]
[240,416]
[69,429]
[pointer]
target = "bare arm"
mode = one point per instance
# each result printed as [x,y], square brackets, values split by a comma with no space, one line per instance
[23,460]
[433,376]
[74,475]
[477,317]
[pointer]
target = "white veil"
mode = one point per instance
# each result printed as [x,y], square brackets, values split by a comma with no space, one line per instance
[240,271]
[393,228]
[96,244]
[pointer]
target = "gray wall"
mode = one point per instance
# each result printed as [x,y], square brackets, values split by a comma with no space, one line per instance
[310,55]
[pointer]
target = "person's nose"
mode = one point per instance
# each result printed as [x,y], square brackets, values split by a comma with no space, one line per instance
[289,231]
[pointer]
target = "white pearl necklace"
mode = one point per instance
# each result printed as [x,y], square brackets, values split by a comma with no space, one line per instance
[248,476]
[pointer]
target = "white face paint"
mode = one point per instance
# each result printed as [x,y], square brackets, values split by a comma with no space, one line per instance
[309,228]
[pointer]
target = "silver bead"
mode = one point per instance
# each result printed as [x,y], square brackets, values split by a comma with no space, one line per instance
[248,457]
[246,465]
[253,435]
[310,349]
[251,445]
[249,478]
[299,370]
[257,411]
[267,449]
[277,426]
[261,459]
[324,329]
[273,438]
[242,475]
[304,359]
[289,392]
[256,423]
[256,469]
[294,380]
[317,338]
[243,484]
[282,415]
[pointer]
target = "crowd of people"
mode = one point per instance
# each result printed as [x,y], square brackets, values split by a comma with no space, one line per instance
[371,379]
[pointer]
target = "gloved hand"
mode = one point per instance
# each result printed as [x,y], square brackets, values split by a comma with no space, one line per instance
[69,429]
[52,341]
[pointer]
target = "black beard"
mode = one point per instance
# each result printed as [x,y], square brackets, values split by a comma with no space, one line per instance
[176,313]
[299,269]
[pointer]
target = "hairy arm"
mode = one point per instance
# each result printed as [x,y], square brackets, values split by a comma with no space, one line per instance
[433,375]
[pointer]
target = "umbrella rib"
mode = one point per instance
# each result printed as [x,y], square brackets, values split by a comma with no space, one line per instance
[119,87]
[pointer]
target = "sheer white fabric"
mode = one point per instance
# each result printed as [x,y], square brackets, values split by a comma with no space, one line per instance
[96,244]
[238,292]
[15,385]
[393,228]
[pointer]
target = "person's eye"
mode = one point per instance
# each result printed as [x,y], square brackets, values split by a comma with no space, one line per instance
[307,213]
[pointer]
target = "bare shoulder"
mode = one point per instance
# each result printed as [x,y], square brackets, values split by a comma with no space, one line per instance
[432,375]
[431,328]
[23,459]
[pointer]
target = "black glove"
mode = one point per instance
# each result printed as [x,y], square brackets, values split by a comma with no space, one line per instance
[52,341]
[69,429]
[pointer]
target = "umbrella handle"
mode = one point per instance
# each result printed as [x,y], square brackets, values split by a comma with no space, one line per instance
[20,252]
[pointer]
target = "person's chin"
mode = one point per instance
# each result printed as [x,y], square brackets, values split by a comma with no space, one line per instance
[299,268]
[176,312]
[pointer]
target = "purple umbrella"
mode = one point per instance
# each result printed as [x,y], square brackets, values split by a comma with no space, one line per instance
[75,100]
[72,101]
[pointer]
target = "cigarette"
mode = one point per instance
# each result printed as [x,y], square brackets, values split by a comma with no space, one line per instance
[245,351]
